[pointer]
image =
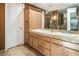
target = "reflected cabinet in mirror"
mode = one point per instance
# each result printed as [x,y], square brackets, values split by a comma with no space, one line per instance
[64,19]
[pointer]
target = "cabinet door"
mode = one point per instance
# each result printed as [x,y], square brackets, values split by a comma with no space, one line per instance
[32,19]
[35,19]
[41,44]
[35,41]
[69,52]
[47,46]
[56,50]
[39,19]
[47,42]
[47,52]
[31,41]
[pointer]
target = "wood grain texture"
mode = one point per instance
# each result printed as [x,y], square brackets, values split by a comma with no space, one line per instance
[32,19]
[2,26]
[26,25]
[35,19]
[54,47]
[69,52]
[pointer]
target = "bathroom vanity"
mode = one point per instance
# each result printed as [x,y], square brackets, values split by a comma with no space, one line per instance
[55,43]
[62,36]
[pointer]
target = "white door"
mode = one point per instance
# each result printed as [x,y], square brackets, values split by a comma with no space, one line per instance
[14,25]
[20,27]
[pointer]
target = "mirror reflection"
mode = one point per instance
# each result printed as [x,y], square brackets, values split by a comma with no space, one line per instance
[64,19]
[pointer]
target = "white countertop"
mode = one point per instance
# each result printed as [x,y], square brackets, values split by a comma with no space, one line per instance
[58,34]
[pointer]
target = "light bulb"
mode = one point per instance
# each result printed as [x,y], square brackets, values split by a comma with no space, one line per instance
[54,17]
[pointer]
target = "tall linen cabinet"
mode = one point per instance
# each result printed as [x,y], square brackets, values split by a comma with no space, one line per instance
[33,19]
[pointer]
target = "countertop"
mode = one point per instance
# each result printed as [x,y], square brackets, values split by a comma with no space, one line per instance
[59,34]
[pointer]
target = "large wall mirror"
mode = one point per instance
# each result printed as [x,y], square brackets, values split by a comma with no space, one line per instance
[66,19]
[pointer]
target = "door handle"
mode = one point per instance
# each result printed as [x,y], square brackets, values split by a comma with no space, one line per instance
[20,27]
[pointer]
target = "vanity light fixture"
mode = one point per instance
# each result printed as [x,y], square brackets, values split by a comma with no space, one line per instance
[54,17]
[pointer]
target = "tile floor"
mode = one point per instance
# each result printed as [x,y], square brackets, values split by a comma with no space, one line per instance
[20,51]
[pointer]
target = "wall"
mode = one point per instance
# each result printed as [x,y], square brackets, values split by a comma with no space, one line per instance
[14,25]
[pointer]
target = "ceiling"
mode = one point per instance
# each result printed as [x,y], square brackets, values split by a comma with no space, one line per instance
[53,6]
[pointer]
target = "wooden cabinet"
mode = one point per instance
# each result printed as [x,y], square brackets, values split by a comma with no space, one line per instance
[47,46]
[35,41]
[56,47]
[39,20]
[46,52]
[26,26]
[56,50]
[70,52]
[41,44]
[35,19]
[47,42]
[32,19]
[51,46]
[30,39]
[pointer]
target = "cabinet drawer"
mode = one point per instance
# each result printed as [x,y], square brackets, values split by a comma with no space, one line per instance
[47,52]
[56,50]
[41,41]
[47,38]
[35,35]
[27,39]
[69,52]
[47,44]
[30,41]
[40,49]
[57,41]
[34,42]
